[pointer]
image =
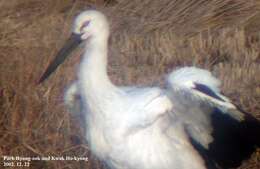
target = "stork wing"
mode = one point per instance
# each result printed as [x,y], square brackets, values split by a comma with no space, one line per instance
[151,102]
[221,133]
[72,98]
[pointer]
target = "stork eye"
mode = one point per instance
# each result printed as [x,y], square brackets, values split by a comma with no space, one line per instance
[85,24]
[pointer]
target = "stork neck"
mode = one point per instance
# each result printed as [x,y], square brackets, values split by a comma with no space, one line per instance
[93,68]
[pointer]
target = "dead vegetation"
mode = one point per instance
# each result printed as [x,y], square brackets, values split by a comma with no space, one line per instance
[149,38]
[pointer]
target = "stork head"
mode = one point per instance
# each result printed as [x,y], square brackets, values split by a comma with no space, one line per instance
[87,25]
[90,23]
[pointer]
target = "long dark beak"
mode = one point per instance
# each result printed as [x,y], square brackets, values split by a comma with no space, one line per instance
[70,45]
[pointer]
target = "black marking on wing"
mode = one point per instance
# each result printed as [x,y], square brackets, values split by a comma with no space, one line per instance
[233,141]
[203,152]
[206,90]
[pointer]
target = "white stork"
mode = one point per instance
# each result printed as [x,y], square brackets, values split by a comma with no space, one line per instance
[187,125]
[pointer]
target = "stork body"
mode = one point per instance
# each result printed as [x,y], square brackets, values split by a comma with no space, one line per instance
[154,128]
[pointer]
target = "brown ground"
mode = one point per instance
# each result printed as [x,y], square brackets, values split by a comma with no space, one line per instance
[149,38]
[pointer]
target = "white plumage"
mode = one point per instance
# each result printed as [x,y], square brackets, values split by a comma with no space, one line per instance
[144,128]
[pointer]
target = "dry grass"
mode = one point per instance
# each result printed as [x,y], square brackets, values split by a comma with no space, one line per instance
[148,40]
